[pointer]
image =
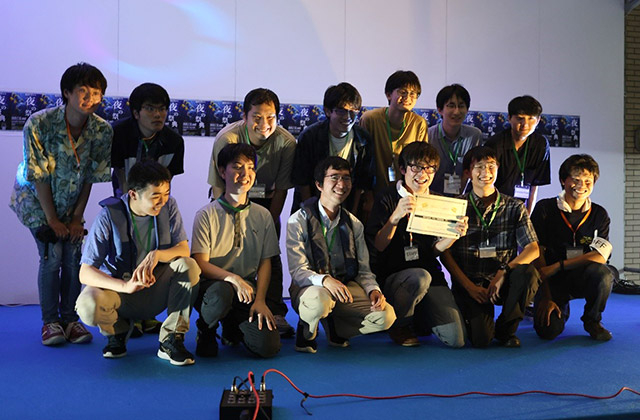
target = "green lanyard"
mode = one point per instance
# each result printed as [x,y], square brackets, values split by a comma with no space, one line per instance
[246,132]
[226,205]
[485,225]
[524,158]
[386,113]
[137,233]
[454,158]
[237,234]
[324,233]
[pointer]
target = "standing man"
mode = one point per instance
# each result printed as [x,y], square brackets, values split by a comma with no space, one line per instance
[234,242]
[452,139]
[275,148]
[574,235]
[337,135]
[145,136]
[330,276]
[136,264]
[395,126]
[66,150]
[523,154]
[485,266]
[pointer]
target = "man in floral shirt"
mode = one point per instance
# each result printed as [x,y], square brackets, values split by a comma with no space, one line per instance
[66,149]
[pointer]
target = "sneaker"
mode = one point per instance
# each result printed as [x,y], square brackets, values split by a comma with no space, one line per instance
[136,331]
[404,336]
[116,346]
[509,342]
[305,341]
[172,349]
[597,331]
[332,337]
[151,326]
[231,334]
[284,328]
[529,313]
[206,343]
[76,333]
[52,334]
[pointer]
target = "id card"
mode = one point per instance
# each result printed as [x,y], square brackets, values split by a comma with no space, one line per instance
[487,252]
[391,173]
[574,251]
[258,191]
[411,253]
[452,184]
[521,191]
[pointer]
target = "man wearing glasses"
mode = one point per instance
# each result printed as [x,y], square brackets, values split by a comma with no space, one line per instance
[485,266]
[337,135]
[405,263]
[452,139]
[329,264]
[395,126]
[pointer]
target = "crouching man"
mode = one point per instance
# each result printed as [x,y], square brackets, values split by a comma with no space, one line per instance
[329,265]
[136,264]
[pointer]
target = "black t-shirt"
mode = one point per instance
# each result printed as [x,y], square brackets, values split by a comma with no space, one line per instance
[392,259]
[556,236]
[537,166]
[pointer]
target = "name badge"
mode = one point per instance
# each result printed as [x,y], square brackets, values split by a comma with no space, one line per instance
[411,253]
[391,173]
[487,252]
[452,184]
[258,191]
[521,191]
[574,251]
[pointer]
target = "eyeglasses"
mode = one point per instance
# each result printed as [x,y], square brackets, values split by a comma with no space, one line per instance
[341,112]
[336,178]
[153,109]
[486,166]
[452,105]
[408,93]
[416,169]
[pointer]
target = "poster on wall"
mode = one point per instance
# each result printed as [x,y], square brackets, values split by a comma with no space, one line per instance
[221,113]
[5,116]
[194,118]
[114,109]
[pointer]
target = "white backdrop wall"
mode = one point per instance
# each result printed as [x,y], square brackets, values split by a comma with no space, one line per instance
[568,54]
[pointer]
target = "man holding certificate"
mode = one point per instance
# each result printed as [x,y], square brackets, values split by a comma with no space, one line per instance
[485,266]
[405,262]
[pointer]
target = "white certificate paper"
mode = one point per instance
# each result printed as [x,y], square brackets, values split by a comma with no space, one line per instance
[437,216]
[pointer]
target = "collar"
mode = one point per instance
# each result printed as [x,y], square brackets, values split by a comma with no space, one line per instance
[402,190]
[325,218]
[564,206]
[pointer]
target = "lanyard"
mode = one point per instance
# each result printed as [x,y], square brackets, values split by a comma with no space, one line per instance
[246,132]
[574,231]
[386,113]
[73,144]
[324,233]
[454,158]
[522,165]
[226,205]
[137,233]
[237,231]
[485,225]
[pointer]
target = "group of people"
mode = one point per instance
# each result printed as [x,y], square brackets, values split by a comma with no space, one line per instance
[354,266]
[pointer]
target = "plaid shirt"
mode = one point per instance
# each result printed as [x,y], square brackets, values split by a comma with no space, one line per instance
[510,229]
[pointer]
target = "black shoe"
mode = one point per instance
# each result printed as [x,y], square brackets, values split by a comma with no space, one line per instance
[285,330]
[305,341]
[116,346]
[332,337]
[172,349]
[597,331]
[511,342]
[206,343]
[231,334]
[136,331]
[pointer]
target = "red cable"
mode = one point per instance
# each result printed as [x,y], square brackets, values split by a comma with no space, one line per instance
[255,392]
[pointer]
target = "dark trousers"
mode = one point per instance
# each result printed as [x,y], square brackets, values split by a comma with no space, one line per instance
[517,291]
[217,302]
[592,282]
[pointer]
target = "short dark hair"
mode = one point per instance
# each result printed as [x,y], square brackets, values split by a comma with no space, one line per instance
[260,96]
[341,94]
[150,93]
[448,92]
[476,154]
[525,105]
[334,162]
[419,151]
[580,162]
[82,74]
[231,152]
[147,172]
[400,79]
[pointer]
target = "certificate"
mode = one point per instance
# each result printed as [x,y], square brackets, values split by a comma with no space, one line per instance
[437,216]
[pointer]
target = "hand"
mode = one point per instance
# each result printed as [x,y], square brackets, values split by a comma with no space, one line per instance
[495,285]
[378,301]
[144,271]
[405,206]
[263,313]
[478,293]
[545,308]
[59,228]
[242,288]
[132,286]
[462,225]
[337,289]
[76,231]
